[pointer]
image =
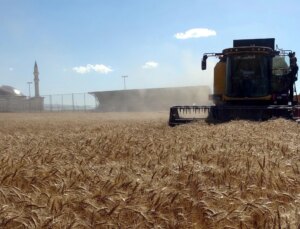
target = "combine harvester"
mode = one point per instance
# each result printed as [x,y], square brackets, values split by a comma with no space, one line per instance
[252,81]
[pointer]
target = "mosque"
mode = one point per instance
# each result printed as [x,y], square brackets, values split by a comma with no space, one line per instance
[12,100]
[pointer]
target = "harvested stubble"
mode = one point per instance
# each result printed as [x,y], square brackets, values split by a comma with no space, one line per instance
[107,171]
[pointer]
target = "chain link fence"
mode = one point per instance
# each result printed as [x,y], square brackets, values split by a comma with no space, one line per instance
[70,102]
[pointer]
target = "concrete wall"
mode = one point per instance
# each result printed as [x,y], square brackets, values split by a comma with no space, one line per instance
[158,99]
[21,104]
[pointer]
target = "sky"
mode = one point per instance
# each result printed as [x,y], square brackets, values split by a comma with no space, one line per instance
[88,45]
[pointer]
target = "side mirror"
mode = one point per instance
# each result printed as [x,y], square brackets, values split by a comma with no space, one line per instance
[203,63]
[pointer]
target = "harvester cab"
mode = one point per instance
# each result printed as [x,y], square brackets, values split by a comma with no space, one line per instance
[252,80]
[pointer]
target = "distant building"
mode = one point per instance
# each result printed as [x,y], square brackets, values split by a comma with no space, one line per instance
[155,99]
[12,100]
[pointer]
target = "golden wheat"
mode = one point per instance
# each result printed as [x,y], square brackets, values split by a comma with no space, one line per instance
[133,171]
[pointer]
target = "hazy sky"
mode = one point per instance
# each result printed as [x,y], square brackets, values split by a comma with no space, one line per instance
[87,45]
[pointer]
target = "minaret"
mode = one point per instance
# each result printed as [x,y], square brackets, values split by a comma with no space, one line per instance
[36,80]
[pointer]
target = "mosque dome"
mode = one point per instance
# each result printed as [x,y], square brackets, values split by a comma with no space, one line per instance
[6,90]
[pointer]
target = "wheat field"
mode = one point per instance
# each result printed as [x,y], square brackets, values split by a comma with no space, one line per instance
[131,170]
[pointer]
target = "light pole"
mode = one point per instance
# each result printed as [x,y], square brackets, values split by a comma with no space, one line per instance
[29,88]
[124,81]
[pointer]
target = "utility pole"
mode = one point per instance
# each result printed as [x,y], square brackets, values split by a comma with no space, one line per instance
[124,81]
[29,88]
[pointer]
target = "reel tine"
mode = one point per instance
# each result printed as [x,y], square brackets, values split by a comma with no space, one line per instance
[186,114]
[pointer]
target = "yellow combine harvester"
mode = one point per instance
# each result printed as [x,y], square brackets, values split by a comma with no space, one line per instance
[252,80]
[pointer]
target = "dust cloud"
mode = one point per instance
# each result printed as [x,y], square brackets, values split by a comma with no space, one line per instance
[145,100]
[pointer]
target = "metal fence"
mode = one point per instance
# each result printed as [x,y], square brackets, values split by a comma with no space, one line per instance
[70,102]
